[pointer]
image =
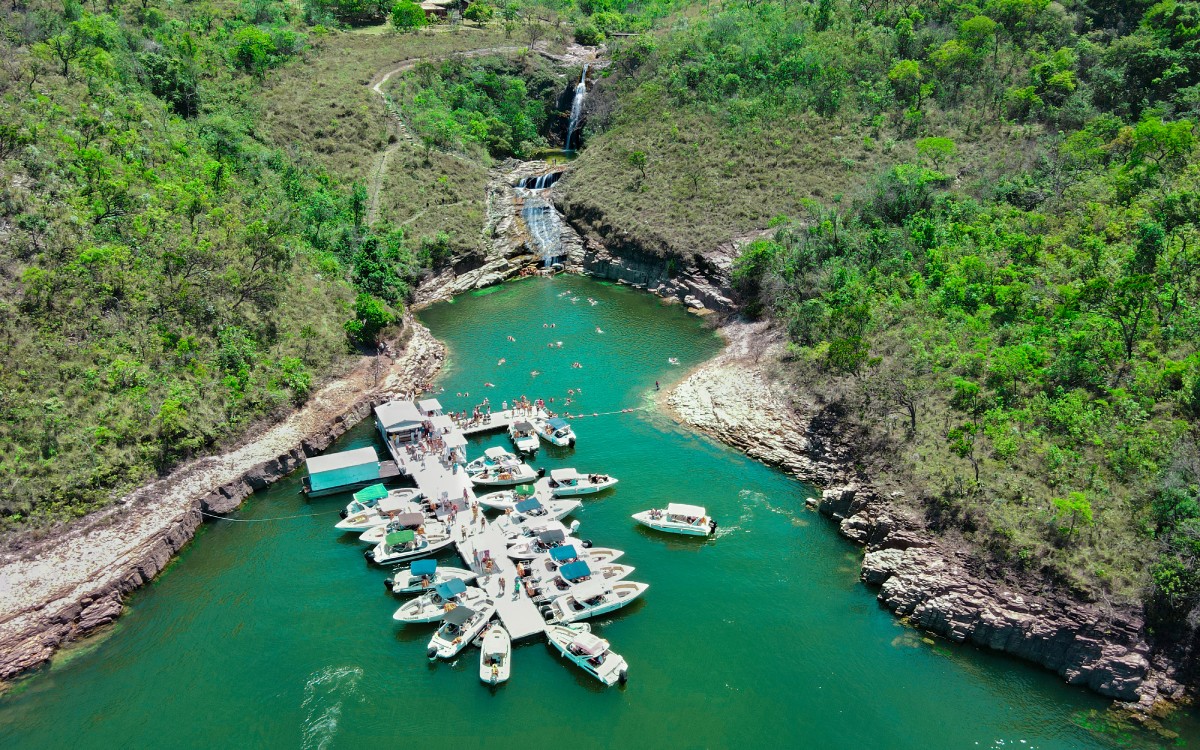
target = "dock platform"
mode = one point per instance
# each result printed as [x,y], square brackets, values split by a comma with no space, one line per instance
[498,421]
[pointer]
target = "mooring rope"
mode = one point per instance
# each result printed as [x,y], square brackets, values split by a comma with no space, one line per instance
[606,413]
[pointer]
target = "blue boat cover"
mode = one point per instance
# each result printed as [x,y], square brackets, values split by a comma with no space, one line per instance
[527,505]
[451,588]
[576,570]
[423,567]
[557,423]
[558,554]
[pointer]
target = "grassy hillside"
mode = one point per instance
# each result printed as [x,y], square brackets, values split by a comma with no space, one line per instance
[983,222]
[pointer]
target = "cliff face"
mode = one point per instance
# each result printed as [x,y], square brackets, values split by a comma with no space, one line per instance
[68,585]
[925,580]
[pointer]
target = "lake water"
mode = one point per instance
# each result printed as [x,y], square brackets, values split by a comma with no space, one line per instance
[271,630]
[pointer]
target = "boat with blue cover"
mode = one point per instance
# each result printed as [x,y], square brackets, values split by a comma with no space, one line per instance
[556,431]
[433,605]
[423,575]
[459,627]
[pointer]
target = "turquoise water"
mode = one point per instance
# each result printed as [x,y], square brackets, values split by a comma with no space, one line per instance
[276,633]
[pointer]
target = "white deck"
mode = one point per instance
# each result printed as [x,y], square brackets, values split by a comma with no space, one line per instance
[500,420]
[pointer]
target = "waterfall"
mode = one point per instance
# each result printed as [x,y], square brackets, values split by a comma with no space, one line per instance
[577,106]
[544,228]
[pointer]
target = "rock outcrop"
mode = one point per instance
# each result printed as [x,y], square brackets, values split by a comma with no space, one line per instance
[930,583]
[62,588]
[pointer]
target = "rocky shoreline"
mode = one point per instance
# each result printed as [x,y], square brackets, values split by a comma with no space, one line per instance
[921,578]
[69,585]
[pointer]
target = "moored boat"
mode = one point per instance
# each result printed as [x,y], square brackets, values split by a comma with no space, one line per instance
[570,483]
[678,518]
[590,652]
[396,503]
[550,562]
[541,544]
[418,522]
[423,575]
[515,533]
[433,605]
[505,475]
[367,497]
[459,627]
[592,598]
[556,431]
[402,546]
[491,458]
[495,656]
[505,500]
[524,437]
[550,585]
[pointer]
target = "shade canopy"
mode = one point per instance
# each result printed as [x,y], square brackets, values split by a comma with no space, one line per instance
[526,489]
[454,440]
[681,509]
[527,505]
[423,567]
[576,570]
[458,615]
[496,453]
[451,588]
[589,644]
[553,536]
[371,494]
[401,537]
[398,415]
[399,501]
[409,519]
[564,475]
[522,427]
[557,423]
[429,405]
[589,590]
[561,554]
[442,423]
[345,459]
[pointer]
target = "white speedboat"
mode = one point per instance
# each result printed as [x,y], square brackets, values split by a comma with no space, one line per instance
[433,605]
[423,575]
[396,503]
[491,458]
[547,564]
[553,584]
[418,522]
[541,544]
[570,483]
[524,437]
[692,520]
[515,533]
[367,497]
[592,598]
[590,652]
[533,511]
[505,500]
[459,627]
[495,656]
[402,546]
[555,431]
[505,475]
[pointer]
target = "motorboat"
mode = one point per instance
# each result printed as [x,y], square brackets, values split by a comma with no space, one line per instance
[405,545]
[367,497]
[547,564]
[505,500]
[592,598]
[590,652]
[507,474]
[553,584]
[532,512]
[491,458]
[570,483]
[515,532]
[678,518]
[556,431]
[396,503]
[524,437]
[433,605]
[545,541]
[418,522]
[495,655]
[423,575]
[459,627]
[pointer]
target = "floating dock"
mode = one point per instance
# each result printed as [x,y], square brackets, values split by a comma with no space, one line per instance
[499,420]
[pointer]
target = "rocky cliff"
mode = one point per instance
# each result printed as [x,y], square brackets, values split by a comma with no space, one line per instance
[66,586]
[929,582]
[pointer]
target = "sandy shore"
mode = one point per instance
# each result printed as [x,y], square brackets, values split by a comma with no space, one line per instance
[67,585]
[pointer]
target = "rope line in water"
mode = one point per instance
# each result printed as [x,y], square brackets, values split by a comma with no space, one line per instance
[606,413]
[264,520]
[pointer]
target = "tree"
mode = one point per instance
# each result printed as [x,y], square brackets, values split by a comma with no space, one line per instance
[961,441]
[479,12]
[66,48]
[638,160]
[407,16]
[252,50]
[370,317]
[906,81]
[936,150]
[1072,510]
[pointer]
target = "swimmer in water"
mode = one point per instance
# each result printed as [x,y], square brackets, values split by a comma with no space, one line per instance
[489,385]
[673,361]
[534,373]
[510,338]
[545,325]
[502,361]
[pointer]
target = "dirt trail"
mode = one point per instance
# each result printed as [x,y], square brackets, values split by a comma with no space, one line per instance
[73,582]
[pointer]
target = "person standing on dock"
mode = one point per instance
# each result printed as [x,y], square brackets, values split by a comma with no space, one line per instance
[501,585]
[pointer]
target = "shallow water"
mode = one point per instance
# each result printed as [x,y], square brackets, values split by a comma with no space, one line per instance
[276,633]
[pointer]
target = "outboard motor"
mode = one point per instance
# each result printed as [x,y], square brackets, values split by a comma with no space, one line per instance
[541,472]
[431,653]
[387,584]
[712,526]
[343,514]
[623,676]
[587,543]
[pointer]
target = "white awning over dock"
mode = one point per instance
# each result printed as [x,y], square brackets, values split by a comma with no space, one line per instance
[398,416]
[343,460]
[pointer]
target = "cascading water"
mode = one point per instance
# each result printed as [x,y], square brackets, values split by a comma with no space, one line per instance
[544,229]
[577,106]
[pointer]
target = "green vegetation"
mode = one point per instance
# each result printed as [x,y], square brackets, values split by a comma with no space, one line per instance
[982,243]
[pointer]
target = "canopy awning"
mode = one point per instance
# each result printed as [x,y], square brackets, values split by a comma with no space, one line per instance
[561,554]
[527,505]
[557,423]
[442,422]
[564,475]
[590,644]
[576,570]
[458,615]
[589,590]
[401,537]
[398,415]
[343,460]
[398,502]
[423,567]
[553,536]
[371,494]
[681,509]
[451,588]
[496,453]
[409,519]
[526,489]
[429,405]
[454,440]
[522,427]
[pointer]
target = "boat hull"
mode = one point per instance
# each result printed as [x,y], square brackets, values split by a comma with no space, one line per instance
[496,643]
[413,583]
[674,528]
